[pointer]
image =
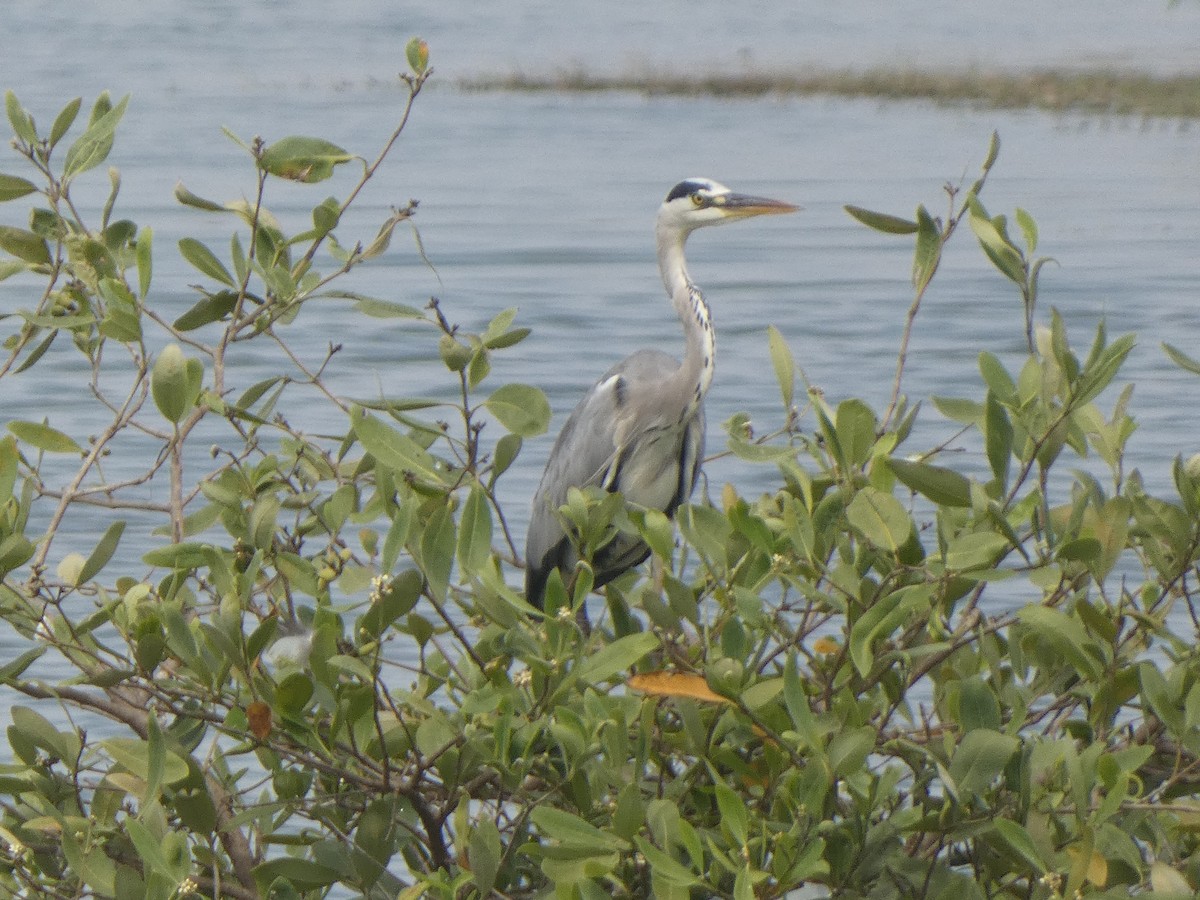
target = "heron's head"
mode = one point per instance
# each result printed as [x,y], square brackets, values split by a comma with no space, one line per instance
[696,202]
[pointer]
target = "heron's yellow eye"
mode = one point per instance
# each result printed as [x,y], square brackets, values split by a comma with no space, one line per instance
[697,199]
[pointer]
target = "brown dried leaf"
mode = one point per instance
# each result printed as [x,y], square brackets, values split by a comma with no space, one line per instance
[676,684]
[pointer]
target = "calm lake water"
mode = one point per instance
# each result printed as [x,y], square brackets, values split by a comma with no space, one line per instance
[546,202]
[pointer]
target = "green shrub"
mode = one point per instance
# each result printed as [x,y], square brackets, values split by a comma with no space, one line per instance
[812,690]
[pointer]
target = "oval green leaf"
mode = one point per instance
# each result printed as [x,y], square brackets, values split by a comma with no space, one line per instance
[304,159]
[43,437]
[12,187]
[522,409]
[880,518]
[882,221]
[944,487]
[24,245]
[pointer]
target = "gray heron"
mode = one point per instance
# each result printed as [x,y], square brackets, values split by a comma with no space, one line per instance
[640,429]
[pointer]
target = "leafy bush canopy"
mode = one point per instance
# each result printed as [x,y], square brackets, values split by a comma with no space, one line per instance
[885,677]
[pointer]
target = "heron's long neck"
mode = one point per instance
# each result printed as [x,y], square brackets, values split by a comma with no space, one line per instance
[695,375]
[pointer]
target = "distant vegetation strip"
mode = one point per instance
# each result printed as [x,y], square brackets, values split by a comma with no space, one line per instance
[1097,91]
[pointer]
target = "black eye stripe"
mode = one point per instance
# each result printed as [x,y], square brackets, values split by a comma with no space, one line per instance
[684,188]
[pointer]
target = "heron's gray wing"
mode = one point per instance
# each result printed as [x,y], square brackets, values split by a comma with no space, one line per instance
[587,448]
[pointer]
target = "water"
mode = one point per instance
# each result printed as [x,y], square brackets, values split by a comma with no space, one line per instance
[546,202]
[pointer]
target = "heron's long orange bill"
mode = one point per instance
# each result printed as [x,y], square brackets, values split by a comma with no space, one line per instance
[740,206]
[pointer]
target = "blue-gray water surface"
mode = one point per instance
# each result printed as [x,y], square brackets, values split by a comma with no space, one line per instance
[546,201]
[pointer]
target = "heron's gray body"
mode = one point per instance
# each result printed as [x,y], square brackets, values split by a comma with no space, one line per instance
[654,460]
[640,429]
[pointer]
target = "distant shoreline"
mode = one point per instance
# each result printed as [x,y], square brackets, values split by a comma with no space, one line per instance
[1103,91]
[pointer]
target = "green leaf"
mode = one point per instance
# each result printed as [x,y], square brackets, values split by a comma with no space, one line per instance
[882,221]
[996,246]
[93,146]
[1018,841]
[205,261]
[122,316]
[15,551]
[15,668]
[384,309]
[175,383]
[1028,229]
[1101,369]
[392,449]
[797,703]
[619,656]
[437,550]
[417,53]
[382,239]
[785,365]
[507,449]
[880,518]
[144,253]
[944,487]
[181,557]
[761,693]
[43,437]
[149,848]
[1181,359]
[475,532]
[572,831]
[522,409]
[156,755]
[40,732]
[1065,634]
[996,377]
[103,552]
[977,705]
[928,252]
[12,187]
[484,853]
[665,868]
[24,245]
[855,423]
[10,459]
[992,153]
[498,335]
[187,198]
[980,758]
[302,874]
[877,623]
[849,749]
[1158,695]
[960,410]
[998,437]
[64,120]
[300,573]
[210,308]
[40,350]
[135,756]
[975,550]
[19,119]
[397,599]
[734,814]
[304,159]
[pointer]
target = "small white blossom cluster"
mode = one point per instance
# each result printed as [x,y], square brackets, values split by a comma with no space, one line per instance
[380,585]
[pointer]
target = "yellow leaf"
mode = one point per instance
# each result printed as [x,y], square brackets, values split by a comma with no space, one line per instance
[258,714]
[826,645]
[1097,869]
[729,497]
[676,684]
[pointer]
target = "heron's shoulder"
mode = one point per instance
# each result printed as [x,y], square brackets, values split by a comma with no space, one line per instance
[645,363]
